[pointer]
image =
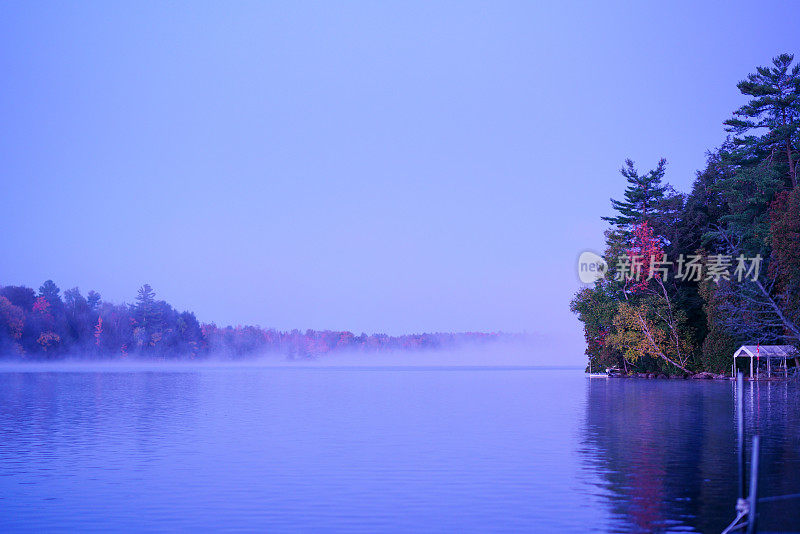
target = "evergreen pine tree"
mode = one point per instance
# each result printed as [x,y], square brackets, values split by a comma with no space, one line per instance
[774,107]
[93,299]
[50,291]
[643,196]
[146,311]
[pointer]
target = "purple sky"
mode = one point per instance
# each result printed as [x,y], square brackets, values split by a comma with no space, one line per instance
[391,167]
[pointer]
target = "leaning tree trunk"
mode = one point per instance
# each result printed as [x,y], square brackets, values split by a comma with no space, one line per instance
[787,323]
[646,332]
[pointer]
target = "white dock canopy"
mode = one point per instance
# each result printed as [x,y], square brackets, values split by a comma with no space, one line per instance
[769,353]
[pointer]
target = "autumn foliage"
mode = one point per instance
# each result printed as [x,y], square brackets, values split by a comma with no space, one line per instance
[645,252]
[52,325]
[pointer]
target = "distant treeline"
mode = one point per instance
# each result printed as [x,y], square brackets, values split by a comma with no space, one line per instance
[45,324]
[693,276]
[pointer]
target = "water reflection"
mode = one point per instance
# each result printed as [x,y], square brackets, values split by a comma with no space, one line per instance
[383,450]
[666,451]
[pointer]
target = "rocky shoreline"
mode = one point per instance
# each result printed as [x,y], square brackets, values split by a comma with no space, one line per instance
[705,375]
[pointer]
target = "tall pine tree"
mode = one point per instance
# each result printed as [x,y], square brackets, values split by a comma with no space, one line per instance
[643,196]
[146,310]
[774,107]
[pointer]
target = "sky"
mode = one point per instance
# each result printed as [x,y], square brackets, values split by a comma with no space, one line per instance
[386,167]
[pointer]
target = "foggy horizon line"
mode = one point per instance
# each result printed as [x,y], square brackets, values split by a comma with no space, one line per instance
[52,324]
[256,324]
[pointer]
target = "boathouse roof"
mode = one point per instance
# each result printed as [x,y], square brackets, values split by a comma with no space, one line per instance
[765,351]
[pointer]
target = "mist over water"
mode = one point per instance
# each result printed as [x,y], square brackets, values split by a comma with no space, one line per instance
[523,352]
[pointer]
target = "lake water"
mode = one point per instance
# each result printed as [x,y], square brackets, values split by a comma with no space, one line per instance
[381,449]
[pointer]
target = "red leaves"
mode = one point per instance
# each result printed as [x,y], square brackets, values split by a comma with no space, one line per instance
[98,330]
[48,339]
[13,317]
[42,307]
[646,251]
[785,236]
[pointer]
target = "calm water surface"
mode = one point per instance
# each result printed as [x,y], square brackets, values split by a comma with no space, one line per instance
[381,449]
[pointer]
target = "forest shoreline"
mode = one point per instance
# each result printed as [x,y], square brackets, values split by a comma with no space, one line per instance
[689,278]
[51,325]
